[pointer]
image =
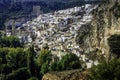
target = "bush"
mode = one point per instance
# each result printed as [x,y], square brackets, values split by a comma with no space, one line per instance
[20,74]
[106,71]
[44,68]
[44,57]
[33,78]
[10,42]
[53,66]
[6,69]
[30,60]
[70,61]
[3,53]
[16,58]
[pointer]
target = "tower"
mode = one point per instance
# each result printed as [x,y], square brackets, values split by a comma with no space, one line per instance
[36,10]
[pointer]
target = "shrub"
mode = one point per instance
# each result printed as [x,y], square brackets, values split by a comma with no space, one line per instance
[70,61]
[10,42]
[106,71]
[33,78]
[20,74]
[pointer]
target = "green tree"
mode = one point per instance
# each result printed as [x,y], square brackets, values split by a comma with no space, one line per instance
[30,60]
[2,34]
[44,68]
[44,57]
[6,69]
[16,58]
[106,71]
[3,53]
[10,42]
[43,61]
[53,66]
[20,74]
[0,65]
[70,61]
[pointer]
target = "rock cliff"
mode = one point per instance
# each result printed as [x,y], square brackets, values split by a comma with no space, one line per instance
[65,75]
[104,24]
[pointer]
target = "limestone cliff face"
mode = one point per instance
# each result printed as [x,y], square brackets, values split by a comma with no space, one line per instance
[105,22]
[66,75]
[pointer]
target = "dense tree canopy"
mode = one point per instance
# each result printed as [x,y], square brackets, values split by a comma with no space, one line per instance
[70,61]
[44,57]
[10,42]
[18,63]
[20,74]
[16,58]
[106,71]
[31,60]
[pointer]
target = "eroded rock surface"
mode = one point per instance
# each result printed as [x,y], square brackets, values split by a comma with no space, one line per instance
[105,23]
[65,75]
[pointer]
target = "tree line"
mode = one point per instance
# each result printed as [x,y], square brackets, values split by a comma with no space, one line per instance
[19,63]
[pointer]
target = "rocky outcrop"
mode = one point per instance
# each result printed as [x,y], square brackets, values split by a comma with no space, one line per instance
[105,22]
[65,75]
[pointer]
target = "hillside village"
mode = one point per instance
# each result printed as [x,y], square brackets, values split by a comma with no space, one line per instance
[78,43]
[56,30]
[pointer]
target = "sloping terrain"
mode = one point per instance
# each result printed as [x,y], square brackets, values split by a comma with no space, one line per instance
[101,35]
[58,29]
